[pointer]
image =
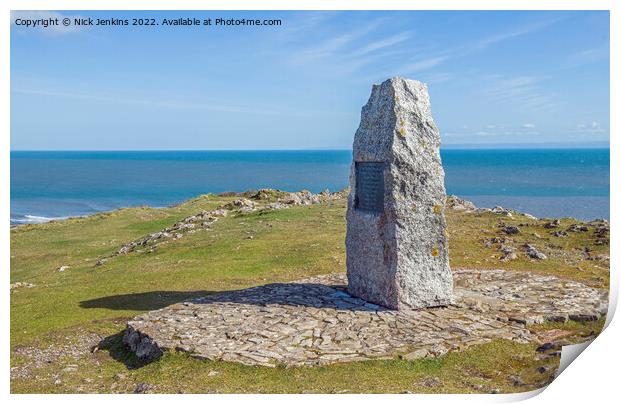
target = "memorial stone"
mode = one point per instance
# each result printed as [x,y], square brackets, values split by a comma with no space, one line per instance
[397,248]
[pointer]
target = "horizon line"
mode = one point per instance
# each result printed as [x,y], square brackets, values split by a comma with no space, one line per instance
[455,147]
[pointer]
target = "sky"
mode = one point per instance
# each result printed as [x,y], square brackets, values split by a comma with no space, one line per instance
[495,78]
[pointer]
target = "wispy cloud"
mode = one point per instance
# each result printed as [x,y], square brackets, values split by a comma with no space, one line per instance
[524,91]
[383,43]
[436,78]
[330,46]
[587,56]
[503,36]
[592,127]
[349,52]
[200,105]
[498,131]
[422,64]
[433,60]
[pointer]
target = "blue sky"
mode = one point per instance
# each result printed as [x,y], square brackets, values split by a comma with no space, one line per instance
[495,78]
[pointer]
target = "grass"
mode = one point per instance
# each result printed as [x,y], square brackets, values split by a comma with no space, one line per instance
[285,245]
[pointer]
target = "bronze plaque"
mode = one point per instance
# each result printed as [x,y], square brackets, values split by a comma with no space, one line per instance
[369,186]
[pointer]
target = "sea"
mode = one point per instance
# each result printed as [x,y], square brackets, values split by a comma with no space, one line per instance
[52,185]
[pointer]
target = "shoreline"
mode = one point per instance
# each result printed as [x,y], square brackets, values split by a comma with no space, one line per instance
[466,199]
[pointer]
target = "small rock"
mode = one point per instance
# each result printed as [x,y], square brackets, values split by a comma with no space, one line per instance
[213,373]
[559,233]
[417,354]
[101,262]
[501,211]
[241,203]
[509,253]
[509,257]
[533,253]
[545,347]
[577,227]
[63,268]
[511,230]
[552,224]
[516,380]
[276,206]
[543,369]
[141,388]
[18,285]
[432,382]
[583,317]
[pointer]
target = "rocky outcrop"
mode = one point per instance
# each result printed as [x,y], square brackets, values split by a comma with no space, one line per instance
[205,219]
[459,204]
[189,224]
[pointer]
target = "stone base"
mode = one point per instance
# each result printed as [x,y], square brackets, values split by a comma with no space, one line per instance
[314,321]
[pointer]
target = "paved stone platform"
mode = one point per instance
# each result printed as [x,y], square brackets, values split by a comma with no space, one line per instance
[314,321]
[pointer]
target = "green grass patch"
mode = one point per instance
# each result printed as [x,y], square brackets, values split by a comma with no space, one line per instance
[241,251]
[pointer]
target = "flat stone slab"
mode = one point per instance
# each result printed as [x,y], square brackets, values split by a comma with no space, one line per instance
[315,321]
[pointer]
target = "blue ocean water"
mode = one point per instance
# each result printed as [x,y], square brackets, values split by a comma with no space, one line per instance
[59,184]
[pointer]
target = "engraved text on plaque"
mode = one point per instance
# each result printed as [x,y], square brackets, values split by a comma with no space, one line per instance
[369,188]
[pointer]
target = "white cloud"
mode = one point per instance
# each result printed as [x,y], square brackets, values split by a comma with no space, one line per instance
[528,126]
[592,127]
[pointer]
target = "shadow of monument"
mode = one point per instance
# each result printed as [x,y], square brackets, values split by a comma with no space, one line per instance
[285,294]
[144,301]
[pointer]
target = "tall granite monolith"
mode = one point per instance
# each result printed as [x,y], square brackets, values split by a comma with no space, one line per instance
[397,248]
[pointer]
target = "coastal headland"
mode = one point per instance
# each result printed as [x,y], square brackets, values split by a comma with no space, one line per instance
[77,283]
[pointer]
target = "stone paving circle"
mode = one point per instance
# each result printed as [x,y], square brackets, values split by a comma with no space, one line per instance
[315,321]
